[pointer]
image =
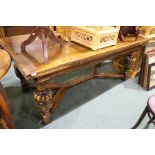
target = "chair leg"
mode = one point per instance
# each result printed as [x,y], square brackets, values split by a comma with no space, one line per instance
[5,109]
[152,118]
[3,124]
[140,118]
[150,121]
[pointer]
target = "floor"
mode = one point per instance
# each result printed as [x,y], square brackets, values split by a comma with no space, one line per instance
[95,104]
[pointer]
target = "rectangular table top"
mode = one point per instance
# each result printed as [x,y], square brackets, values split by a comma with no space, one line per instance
[70,55]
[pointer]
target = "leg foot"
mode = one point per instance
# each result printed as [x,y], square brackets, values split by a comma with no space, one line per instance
[140,118]
[43,100]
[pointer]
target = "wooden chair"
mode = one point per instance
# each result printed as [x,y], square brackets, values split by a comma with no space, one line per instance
[6,120]
[147,32]
[150,110]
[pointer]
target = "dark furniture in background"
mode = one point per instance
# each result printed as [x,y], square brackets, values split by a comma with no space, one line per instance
[19,30]
[128,30]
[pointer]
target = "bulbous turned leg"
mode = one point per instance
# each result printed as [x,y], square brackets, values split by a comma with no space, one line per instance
[129,64]
[43,100]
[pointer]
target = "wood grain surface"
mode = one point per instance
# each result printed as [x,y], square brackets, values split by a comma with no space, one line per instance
[71,55]
[5,62]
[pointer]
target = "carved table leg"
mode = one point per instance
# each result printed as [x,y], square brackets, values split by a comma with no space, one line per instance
[128,64]
[25,86]
[43,99]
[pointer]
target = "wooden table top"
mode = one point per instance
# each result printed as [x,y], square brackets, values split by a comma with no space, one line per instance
[5,62]
[70,55]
